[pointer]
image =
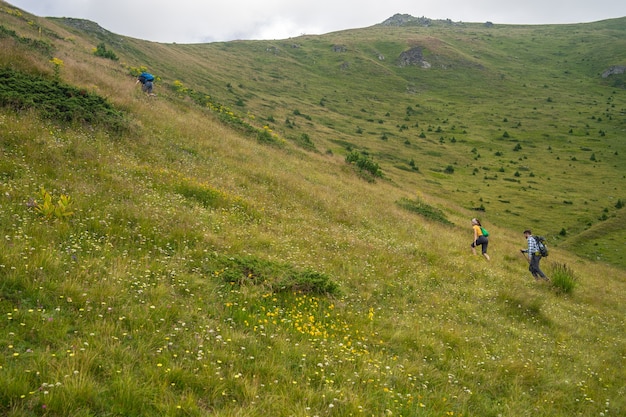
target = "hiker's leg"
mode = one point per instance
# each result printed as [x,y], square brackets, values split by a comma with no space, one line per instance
[539,271]
[484,243]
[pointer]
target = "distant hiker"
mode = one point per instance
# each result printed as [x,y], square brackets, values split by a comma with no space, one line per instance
[147,82]
[534,256]
[480,238]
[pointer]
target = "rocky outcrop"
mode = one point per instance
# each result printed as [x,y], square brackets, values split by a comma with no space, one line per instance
[413,56]
[406,19]
[83,24]
[614,70]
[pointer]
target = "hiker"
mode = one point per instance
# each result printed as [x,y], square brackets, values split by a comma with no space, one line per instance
[480,238]
[147,83]
[534,256]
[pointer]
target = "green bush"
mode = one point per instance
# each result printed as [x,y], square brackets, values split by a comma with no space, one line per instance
[56,101]
[423,209]
[304,141]
[102,51]
[563,278]
[264,136]
[276,277]
[364,163]
[38,45]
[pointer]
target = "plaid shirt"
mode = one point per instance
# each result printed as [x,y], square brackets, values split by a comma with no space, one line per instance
[533,248]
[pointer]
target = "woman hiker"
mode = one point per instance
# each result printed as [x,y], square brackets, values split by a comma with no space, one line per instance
[479,238]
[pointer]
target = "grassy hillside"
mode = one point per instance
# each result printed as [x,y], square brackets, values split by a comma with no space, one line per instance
[210,251]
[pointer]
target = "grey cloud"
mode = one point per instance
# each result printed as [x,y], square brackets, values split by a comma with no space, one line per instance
[191,21]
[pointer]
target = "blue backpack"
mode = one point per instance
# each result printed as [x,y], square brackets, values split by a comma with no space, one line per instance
[146,76]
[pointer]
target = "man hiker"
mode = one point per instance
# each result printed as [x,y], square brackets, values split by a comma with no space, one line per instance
[534,256]
[146,79]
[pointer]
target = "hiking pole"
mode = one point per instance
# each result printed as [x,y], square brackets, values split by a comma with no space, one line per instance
[524,255]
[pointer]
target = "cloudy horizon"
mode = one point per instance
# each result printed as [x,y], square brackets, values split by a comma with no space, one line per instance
[195,21]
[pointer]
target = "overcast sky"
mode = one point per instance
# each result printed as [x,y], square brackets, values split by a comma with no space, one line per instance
[199,21]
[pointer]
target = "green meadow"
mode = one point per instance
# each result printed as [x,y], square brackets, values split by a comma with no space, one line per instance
[284,229]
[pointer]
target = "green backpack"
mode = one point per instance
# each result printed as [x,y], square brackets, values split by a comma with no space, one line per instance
[485,232]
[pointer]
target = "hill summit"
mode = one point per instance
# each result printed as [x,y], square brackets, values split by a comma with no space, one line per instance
[403,19]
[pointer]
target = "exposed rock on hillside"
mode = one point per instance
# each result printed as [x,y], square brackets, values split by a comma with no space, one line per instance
[408,20]
[90,28]
[84,25]
[404,19]
[614,70]
[413,56]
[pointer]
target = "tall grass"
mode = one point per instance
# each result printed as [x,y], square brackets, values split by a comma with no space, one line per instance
[563,278]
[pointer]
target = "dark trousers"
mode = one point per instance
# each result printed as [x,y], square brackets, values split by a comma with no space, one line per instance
[534,267]
[481,241]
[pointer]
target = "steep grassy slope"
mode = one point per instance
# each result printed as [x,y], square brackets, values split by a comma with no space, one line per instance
[209,268]
[532,132]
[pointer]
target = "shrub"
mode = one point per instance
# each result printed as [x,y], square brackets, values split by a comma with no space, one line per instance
[54,100]
[102,51]
[304,141]
[307,281]
[364,163]
[563,278]
[275,276]
[265,136]
[423,209]
[179,87]
[35,44]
